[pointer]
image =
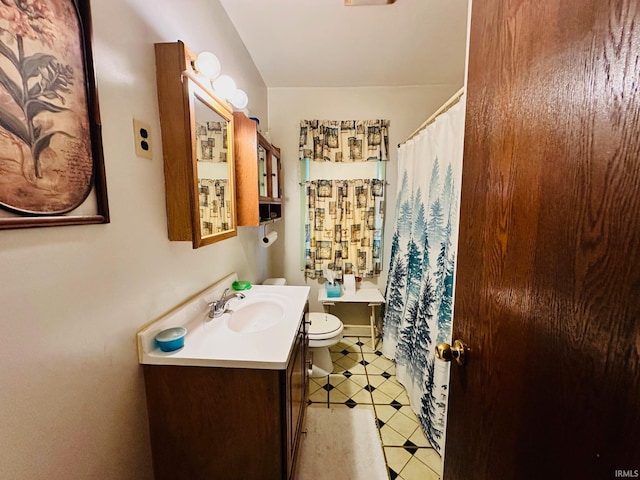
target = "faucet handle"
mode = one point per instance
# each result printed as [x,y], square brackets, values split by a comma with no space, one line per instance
[218,307]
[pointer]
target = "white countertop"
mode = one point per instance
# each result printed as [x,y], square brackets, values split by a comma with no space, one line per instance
[211,343]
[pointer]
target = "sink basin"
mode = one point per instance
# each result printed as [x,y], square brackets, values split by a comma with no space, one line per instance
[255,316]
[255,332]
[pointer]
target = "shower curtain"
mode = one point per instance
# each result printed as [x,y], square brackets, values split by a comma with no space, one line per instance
[419,293]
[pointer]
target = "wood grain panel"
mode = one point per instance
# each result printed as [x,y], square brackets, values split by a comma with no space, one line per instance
[246,147]
[548,287]
[171,61]
[254,209]
[240,435]
[297,385]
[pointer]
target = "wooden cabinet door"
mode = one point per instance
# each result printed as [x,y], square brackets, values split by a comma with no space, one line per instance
[297,382]
[258,174]
[548,279]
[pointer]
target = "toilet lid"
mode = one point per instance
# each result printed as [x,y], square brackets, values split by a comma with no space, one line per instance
[324,325]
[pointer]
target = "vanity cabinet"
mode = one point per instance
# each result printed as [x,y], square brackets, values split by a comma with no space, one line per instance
[227,423]
[258,174]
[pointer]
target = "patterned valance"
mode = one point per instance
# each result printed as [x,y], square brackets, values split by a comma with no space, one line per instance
[344,140]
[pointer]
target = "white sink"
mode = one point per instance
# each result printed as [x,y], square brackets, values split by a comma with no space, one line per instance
[256,332]
[249,316]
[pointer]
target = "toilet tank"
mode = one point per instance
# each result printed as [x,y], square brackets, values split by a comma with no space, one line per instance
[275,281]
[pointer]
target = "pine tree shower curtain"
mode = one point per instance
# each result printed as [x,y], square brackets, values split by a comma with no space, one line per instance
[419,293]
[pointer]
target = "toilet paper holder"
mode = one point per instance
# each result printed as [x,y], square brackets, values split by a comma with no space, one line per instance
[267,239]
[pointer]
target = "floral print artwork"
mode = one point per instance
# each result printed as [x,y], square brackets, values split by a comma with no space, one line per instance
[46,162]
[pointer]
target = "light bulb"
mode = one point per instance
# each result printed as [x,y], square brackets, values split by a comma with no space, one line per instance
[239,99]
[207,64]
[224,86]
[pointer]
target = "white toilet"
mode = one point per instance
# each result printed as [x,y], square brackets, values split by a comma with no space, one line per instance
[324,330]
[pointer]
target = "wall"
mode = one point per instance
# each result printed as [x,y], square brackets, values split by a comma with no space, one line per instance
[405,107]
[71,391]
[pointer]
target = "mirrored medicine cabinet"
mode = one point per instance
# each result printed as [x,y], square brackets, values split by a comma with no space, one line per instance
[197,143]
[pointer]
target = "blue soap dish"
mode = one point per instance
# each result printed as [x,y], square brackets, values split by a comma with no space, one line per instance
[333,291]
[171,339]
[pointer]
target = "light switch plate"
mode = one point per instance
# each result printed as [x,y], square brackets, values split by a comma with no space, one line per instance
[142,138]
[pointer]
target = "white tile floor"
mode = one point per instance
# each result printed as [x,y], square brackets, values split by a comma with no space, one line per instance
[363,378]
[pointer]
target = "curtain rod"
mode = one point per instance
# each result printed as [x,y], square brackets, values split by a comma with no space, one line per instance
[445,106]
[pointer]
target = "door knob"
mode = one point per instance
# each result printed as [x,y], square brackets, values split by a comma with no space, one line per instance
[446,352]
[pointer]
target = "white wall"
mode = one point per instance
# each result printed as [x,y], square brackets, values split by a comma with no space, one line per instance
[405,107]
[71,391]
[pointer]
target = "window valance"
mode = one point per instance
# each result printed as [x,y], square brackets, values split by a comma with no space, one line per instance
[344,140]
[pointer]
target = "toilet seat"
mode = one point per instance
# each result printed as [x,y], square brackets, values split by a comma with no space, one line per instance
[324,325]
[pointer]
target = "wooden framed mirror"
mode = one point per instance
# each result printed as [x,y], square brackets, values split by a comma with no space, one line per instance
[197,143]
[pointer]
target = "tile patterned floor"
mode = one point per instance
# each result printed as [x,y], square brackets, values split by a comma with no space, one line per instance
[363,378]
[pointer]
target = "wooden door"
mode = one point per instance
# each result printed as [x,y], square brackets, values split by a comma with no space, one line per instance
[548,279]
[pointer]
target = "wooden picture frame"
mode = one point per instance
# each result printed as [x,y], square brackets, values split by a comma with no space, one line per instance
[51,160]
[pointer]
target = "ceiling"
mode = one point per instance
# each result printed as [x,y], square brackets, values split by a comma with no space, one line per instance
[322,43]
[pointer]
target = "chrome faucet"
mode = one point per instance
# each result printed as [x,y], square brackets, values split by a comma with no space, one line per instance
[219,307]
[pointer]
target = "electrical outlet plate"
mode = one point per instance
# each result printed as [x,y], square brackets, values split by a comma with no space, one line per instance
[142,138]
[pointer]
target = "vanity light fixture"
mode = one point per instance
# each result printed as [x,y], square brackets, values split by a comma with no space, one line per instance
[207,64]
[224,86]
[239,99]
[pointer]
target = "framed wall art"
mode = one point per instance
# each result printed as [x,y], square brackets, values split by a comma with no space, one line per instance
[51,161]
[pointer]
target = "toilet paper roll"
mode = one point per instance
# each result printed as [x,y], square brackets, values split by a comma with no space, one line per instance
[349,284]
[269,239]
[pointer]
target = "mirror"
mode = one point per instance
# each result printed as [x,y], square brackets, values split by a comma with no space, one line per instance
[197,143]
[262,171]
[214,167]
